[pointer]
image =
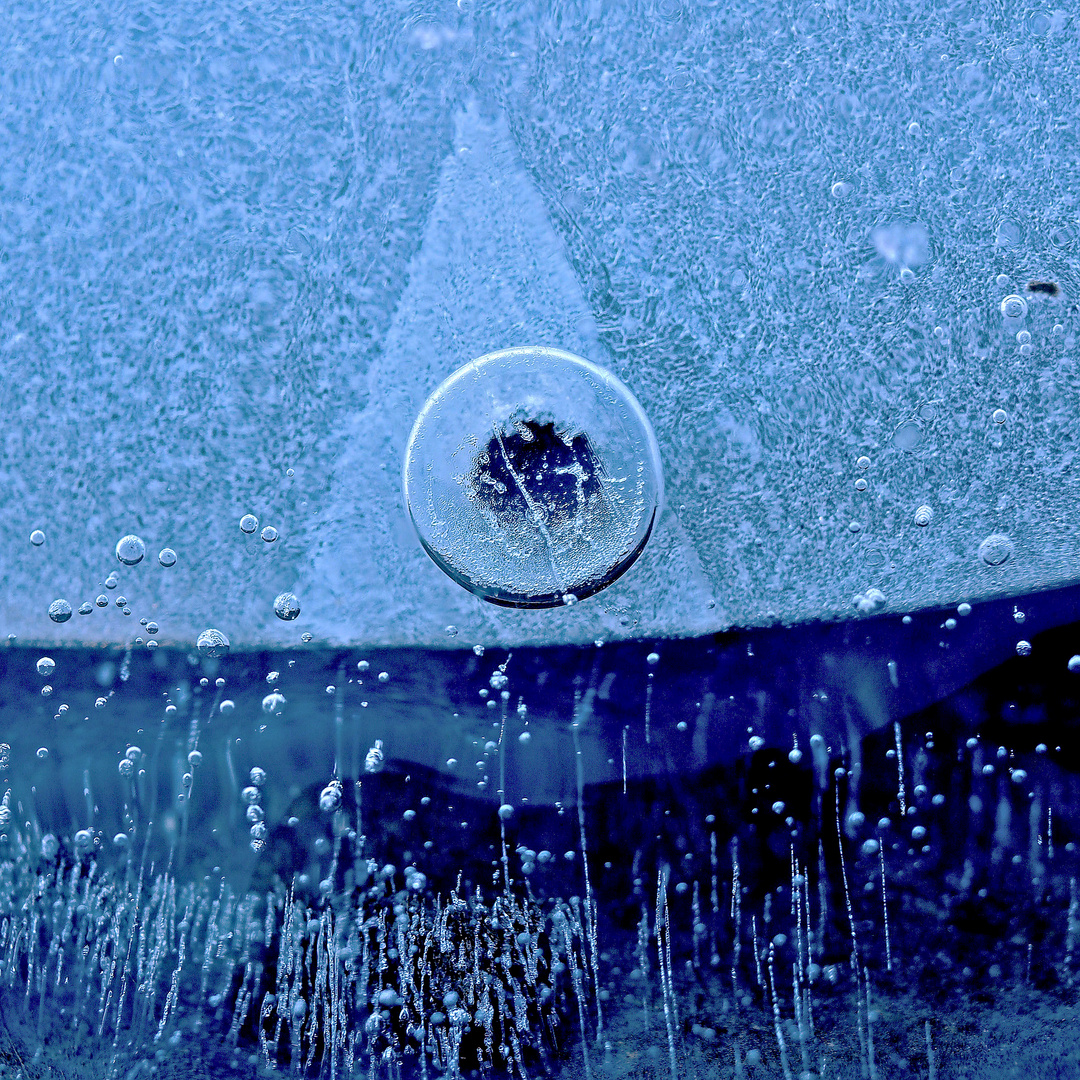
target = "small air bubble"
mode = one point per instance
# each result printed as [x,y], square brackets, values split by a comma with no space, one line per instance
[59,611]
[1000,416]
[249,523]
[37,538]
[273,703]
[212,643]
[923,516]
[46,666]
[1014,307]
[863,463]
[908,435]
[130,550]
[995,549]
[269,534]
[286,607]
[167,557]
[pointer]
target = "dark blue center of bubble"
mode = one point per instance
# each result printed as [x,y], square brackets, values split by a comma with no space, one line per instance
[532,474]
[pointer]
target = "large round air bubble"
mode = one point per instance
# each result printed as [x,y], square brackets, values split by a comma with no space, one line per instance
[533,477]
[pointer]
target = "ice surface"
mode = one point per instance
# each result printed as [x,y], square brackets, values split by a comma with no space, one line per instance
[240,240]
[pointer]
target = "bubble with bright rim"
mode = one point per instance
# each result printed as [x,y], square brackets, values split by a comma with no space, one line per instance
[532,475]
[130,549]
[59,611]
[212,643]
[286,607]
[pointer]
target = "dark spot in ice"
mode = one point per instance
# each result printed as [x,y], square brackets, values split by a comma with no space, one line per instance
[1047,288]
[529,469]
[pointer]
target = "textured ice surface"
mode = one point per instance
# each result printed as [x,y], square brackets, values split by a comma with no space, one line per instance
[240,240]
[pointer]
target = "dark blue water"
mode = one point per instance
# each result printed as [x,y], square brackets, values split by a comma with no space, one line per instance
[823,839]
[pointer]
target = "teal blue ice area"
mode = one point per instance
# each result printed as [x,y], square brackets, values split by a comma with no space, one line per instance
[240,245]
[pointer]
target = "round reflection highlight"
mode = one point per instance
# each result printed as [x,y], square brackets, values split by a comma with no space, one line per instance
[533,477]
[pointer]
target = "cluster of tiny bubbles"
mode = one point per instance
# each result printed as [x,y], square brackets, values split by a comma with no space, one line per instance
[1023,648]
[252,796]
[286,606]
[1014,307]
[1000,416]
[1023,339]
[995,549]
[59,611]
[273,703]
[269,534]
[870,602]
[46,666]
[249,523]
[212,643]
[167,557]
[130,549]
[923,516]
[37,538]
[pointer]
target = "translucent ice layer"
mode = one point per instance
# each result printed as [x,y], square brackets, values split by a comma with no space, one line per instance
[241,246]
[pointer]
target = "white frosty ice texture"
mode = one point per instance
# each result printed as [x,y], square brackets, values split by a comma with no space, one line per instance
[236,241]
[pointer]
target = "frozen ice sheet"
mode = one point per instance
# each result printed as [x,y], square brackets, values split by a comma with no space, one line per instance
[239,247]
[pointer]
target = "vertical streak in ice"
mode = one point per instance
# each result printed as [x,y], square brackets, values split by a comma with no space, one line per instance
[582,710]
[901,793]
[663,949]
[847,892]
[885,911]
[736,917]
[648,708]
[624,730]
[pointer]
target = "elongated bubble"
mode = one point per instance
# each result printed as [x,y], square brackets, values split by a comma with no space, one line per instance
[533,477]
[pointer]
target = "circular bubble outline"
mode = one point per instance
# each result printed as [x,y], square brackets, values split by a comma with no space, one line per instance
[505,598]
